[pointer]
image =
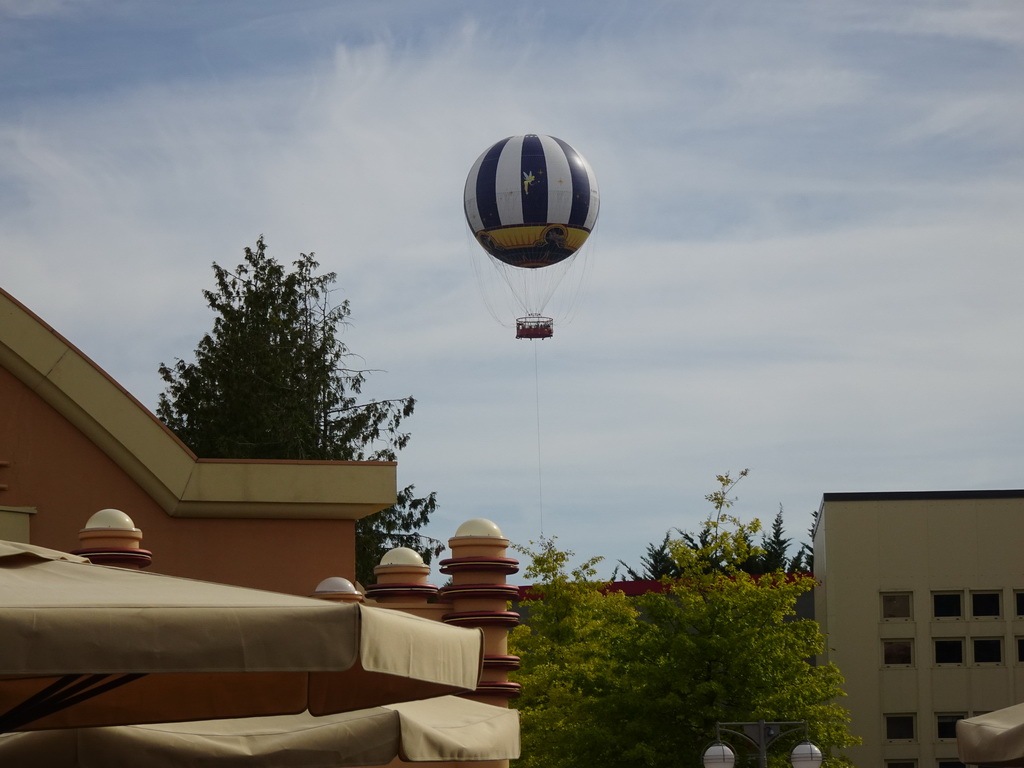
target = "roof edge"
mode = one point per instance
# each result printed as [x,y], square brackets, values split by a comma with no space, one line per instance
[1014,493]
[155,458]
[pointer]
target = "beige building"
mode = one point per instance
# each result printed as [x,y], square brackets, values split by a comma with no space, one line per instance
[921,598]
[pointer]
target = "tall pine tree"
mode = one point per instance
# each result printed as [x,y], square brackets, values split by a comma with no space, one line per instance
[774,547]
[271,381]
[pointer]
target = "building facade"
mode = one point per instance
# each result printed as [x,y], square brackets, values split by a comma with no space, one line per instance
[78,451]
[73,441]
[921,599]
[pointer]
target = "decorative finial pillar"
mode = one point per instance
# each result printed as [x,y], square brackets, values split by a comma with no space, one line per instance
[479,596]
[401,578]
[111,538]
[337,589]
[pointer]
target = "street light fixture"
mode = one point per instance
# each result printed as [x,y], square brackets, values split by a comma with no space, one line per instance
[805,755]
[718,755]
[761,735]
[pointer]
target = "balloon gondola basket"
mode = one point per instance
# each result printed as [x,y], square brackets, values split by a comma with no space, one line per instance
[535,327]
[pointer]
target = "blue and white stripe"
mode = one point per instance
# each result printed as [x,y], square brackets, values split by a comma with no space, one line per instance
[563,190]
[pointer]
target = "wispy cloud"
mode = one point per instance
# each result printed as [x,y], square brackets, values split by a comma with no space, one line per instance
[807,261]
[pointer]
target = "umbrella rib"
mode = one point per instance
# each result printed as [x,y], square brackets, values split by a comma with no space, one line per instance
[61,694]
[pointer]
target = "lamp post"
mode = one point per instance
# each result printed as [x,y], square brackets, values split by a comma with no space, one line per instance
[761,735]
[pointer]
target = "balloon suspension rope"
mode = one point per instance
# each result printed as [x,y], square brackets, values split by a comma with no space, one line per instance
[540,463]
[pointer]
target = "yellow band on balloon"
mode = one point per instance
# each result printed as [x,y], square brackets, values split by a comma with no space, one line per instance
[535,236]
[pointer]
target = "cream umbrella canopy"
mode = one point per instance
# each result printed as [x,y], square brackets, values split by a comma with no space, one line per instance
[995,738]
[87,645]
[446,728]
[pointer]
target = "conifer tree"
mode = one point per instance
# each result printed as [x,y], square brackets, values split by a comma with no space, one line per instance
[272,380]
[770,556]
[774,546]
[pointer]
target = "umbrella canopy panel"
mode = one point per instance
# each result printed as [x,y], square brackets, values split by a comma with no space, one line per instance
[192,650]
[995,738]
[447,728]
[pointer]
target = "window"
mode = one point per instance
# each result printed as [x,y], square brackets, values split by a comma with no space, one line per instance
[945,725]
[950,764]
[1020,649]
[988,650]
[950,651]
[899,727]
[1019,599]
[900,764]
[896,605]
[898,652]
[946,605]
[985,605]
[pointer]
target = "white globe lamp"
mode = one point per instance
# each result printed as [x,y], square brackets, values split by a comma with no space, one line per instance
[805,755]
[719,756]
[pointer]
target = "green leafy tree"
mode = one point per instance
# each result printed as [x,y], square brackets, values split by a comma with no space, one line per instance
[641,682]
[272,381]
[573,645]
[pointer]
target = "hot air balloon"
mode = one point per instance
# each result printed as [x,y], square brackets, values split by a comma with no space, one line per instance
[531,202]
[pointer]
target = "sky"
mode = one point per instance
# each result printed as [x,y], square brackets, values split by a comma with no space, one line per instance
[807,263]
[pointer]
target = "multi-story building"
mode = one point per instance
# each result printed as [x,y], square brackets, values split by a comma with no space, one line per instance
[921,598]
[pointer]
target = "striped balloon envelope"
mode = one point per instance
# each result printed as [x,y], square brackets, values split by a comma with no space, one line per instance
[531,201]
